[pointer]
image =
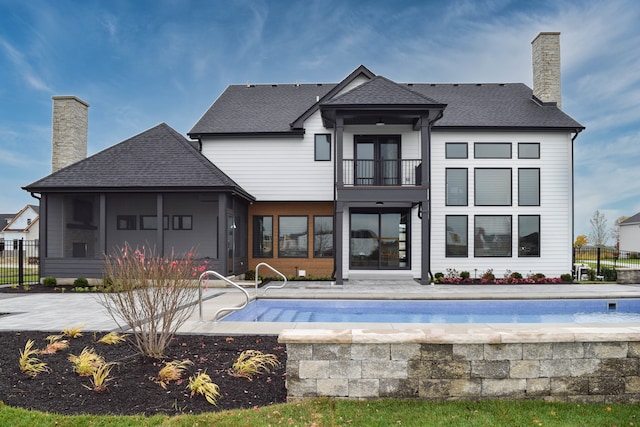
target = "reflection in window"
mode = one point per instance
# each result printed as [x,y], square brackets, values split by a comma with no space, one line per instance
[293,237]
[529,187]
[323,236]
[492,236]
[456,182]
[263,237]
[456,236]
[493,187]
[529,235]
[126,222]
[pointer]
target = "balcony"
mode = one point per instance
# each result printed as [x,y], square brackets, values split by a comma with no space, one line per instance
[387,173]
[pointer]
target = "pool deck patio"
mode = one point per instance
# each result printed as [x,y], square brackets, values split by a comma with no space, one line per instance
[53,312]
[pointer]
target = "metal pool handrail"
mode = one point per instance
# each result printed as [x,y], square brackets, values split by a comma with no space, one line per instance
[221,277]
[275,271]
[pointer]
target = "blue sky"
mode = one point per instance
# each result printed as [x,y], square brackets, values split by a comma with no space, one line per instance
[140,63]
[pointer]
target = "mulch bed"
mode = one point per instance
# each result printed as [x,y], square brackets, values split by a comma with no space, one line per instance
[131,390]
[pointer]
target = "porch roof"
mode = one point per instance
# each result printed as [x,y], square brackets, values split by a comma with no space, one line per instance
[158,159]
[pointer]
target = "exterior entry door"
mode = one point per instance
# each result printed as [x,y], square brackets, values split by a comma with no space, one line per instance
[378,240]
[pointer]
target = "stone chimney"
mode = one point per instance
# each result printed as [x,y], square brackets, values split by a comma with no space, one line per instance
[69,136]
[546,68]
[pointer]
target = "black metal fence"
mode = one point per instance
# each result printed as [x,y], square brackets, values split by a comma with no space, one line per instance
[19,262]
[603,262]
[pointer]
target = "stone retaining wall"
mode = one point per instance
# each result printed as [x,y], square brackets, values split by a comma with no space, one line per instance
[628,275]
[363,364]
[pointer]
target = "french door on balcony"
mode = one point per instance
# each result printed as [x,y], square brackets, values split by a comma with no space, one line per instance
[377,160]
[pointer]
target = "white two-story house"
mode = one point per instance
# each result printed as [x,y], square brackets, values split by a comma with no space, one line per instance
[367,177]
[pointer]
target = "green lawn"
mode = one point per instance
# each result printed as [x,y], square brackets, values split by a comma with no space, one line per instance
[325,412]
[9,275]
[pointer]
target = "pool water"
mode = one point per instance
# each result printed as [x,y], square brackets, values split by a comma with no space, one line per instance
[458,311]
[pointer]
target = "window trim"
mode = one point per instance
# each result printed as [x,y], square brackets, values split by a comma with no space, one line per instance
[476,237]
[528,143]
[446,183]
[476,144]
[520,247]
[280,217]
[520,188]
[315,146]
[475,186]
[466,150]
[315,234]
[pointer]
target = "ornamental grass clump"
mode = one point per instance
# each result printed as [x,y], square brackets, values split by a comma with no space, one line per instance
[171,371]
[152,295]
[253,362]
[201,384]
[86,362]
[29,364]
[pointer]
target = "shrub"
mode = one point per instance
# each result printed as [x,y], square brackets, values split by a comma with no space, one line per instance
[609,274]
[81,282]
[50,282]
[152,294]
[516,276]
[439,276]
[488,275]
[250,275]
[566,277]
[465,275]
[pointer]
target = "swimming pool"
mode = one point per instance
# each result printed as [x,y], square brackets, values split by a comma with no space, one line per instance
[440,311]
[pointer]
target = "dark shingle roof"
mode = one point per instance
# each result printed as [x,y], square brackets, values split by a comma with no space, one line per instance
[632,220]
[159,158]
[381,91]
[257,109]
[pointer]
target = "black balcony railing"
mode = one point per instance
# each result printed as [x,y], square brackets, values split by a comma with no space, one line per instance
[400,173]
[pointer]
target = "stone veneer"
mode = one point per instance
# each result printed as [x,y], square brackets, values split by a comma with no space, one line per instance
[628,275]
[69,131]
[580,364]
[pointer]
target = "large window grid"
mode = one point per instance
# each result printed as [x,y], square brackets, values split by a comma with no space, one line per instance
[492,187]
[529,235]
[529,187]
[456,182]
[492,236]
[456,238]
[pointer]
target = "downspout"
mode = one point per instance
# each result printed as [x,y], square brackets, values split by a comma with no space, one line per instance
[573,196]
[438,117]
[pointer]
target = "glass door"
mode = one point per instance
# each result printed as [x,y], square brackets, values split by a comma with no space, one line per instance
[377,160]
[379,240]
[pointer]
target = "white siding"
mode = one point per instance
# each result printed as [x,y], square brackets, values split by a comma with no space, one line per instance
[273,169]
[630,237]
[554,210]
